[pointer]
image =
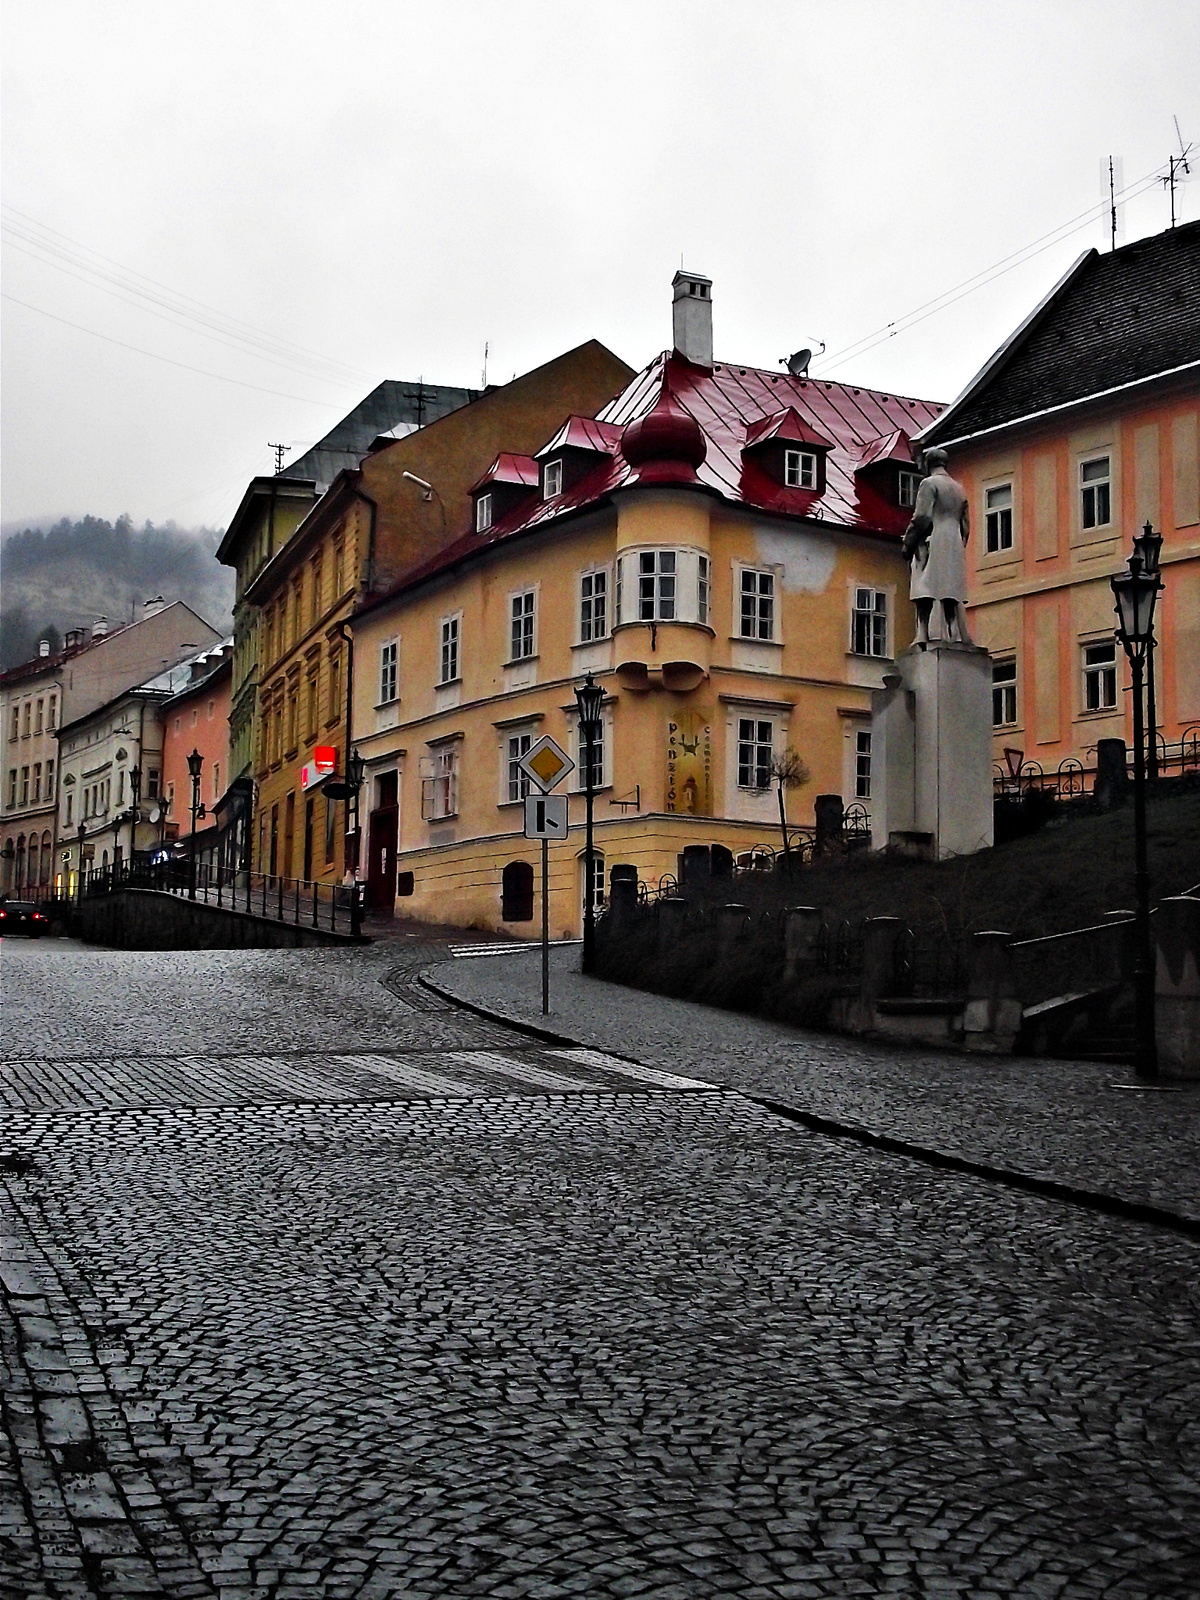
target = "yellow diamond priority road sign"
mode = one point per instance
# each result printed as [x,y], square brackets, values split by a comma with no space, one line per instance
[546,763]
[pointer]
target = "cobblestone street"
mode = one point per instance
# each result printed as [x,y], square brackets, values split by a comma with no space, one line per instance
[318,1285]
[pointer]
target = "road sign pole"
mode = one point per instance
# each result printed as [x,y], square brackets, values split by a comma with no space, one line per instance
[545,927]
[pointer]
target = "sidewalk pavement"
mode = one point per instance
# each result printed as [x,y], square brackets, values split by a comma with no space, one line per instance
[1066,1122]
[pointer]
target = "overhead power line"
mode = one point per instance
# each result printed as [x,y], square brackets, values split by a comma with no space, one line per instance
[54,249]
[985,275]
[169,360]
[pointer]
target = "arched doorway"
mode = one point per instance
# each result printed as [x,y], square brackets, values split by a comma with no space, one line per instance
[516,892]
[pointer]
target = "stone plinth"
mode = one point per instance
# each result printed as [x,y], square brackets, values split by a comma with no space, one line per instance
[931,749]
[1177,986]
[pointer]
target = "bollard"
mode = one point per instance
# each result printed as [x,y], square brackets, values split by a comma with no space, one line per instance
[731,920]
[1177,986]
[801,931]
[992,1018]
[1112,780]
[830,817]
[622,894]
[670,924]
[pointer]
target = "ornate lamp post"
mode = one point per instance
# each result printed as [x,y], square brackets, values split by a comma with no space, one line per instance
[589,698]
[1148,545]
[1136,591]
[135,795]
[195,763]
[355,766]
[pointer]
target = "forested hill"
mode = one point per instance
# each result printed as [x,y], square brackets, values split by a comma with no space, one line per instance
[67,575]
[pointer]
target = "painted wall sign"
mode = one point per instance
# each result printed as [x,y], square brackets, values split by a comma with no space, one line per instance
[689,763]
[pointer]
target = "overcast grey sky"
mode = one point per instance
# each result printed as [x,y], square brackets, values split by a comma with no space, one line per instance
[389,185]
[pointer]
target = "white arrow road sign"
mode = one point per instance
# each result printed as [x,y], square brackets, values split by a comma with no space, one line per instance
[546,816]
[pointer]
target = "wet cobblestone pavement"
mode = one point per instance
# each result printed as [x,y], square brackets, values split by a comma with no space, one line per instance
[1073,1121]
[399,1319]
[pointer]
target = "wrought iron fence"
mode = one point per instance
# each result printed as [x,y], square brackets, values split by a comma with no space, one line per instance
[928,967]
[327,907]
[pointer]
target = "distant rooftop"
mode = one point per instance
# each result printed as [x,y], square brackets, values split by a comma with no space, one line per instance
[393,408]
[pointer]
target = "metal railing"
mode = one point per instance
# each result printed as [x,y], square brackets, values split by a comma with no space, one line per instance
[1073,781]
[302,902]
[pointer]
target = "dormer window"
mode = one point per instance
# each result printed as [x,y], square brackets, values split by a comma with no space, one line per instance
[906,488]
[800,469]
[483,513]
[552,480]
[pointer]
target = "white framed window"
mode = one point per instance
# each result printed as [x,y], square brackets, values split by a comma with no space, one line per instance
[552,480]
[800,469]
[702,588]
[451,630]
[599,746]
[906,488]
[1100,676]
[998,519]
[656,586]
[593,606]
[596,886]
[869,623]
[1004,694]
[483,513]
[757,600]
[862,763]
[756,744]
[1095,490]
[439,790]
[522,632]
[389,664]
[516,784]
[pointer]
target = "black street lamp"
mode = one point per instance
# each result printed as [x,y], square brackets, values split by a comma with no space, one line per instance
[589,697]
[82,837]
[1136,590]
[1148,545]
[355,767]
[135,795]
[195,763]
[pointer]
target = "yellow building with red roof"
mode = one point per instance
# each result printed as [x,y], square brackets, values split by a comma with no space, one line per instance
[720,547]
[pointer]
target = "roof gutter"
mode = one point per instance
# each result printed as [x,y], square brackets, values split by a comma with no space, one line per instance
[1067,405]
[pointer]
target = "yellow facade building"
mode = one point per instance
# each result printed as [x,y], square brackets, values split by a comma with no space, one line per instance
[307,558]
[720,547]
[1082,427]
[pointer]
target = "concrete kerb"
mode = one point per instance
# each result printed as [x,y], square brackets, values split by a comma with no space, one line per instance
[832,1128]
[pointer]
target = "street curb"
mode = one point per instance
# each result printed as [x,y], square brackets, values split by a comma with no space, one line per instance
[1049,1188]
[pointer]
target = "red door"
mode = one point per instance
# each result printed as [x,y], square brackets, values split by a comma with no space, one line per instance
[384,834]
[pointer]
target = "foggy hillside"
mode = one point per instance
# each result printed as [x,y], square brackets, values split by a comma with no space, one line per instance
[67,575]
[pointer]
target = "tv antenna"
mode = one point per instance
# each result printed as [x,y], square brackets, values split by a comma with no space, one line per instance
[1177,167]
[486,348]
[1112,178]
[280,451]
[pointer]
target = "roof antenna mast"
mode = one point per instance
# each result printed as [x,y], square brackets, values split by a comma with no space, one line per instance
[280,451]
[1113,178]
[486,348]
[1177,168]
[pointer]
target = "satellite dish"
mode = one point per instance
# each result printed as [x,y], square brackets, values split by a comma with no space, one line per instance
[155,814]
[797,362]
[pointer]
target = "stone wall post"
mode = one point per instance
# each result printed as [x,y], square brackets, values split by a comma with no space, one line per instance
[1177,986]
[1112,780]
[801,930]
[880,936]
[830,815]
[670,924]
[992,1018]
[622,894]
[730,921]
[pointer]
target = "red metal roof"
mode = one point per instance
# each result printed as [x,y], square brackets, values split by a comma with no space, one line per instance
[895,446]
[509,468]
[785,425]
[728,403]
[583,433]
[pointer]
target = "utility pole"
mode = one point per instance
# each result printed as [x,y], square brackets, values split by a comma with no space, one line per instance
[280,450]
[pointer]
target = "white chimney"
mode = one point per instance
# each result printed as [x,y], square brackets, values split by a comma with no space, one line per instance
[99,627]
[151,607]
[43,647]
[691,317]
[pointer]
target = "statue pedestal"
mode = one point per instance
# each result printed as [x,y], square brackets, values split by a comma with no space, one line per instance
[931,749]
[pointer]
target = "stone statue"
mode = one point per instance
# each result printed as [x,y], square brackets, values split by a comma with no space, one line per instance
[935,544]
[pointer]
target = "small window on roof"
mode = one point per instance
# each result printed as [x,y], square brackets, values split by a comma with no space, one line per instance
[907,488]
[552,482]
[800,469]
[483,513]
